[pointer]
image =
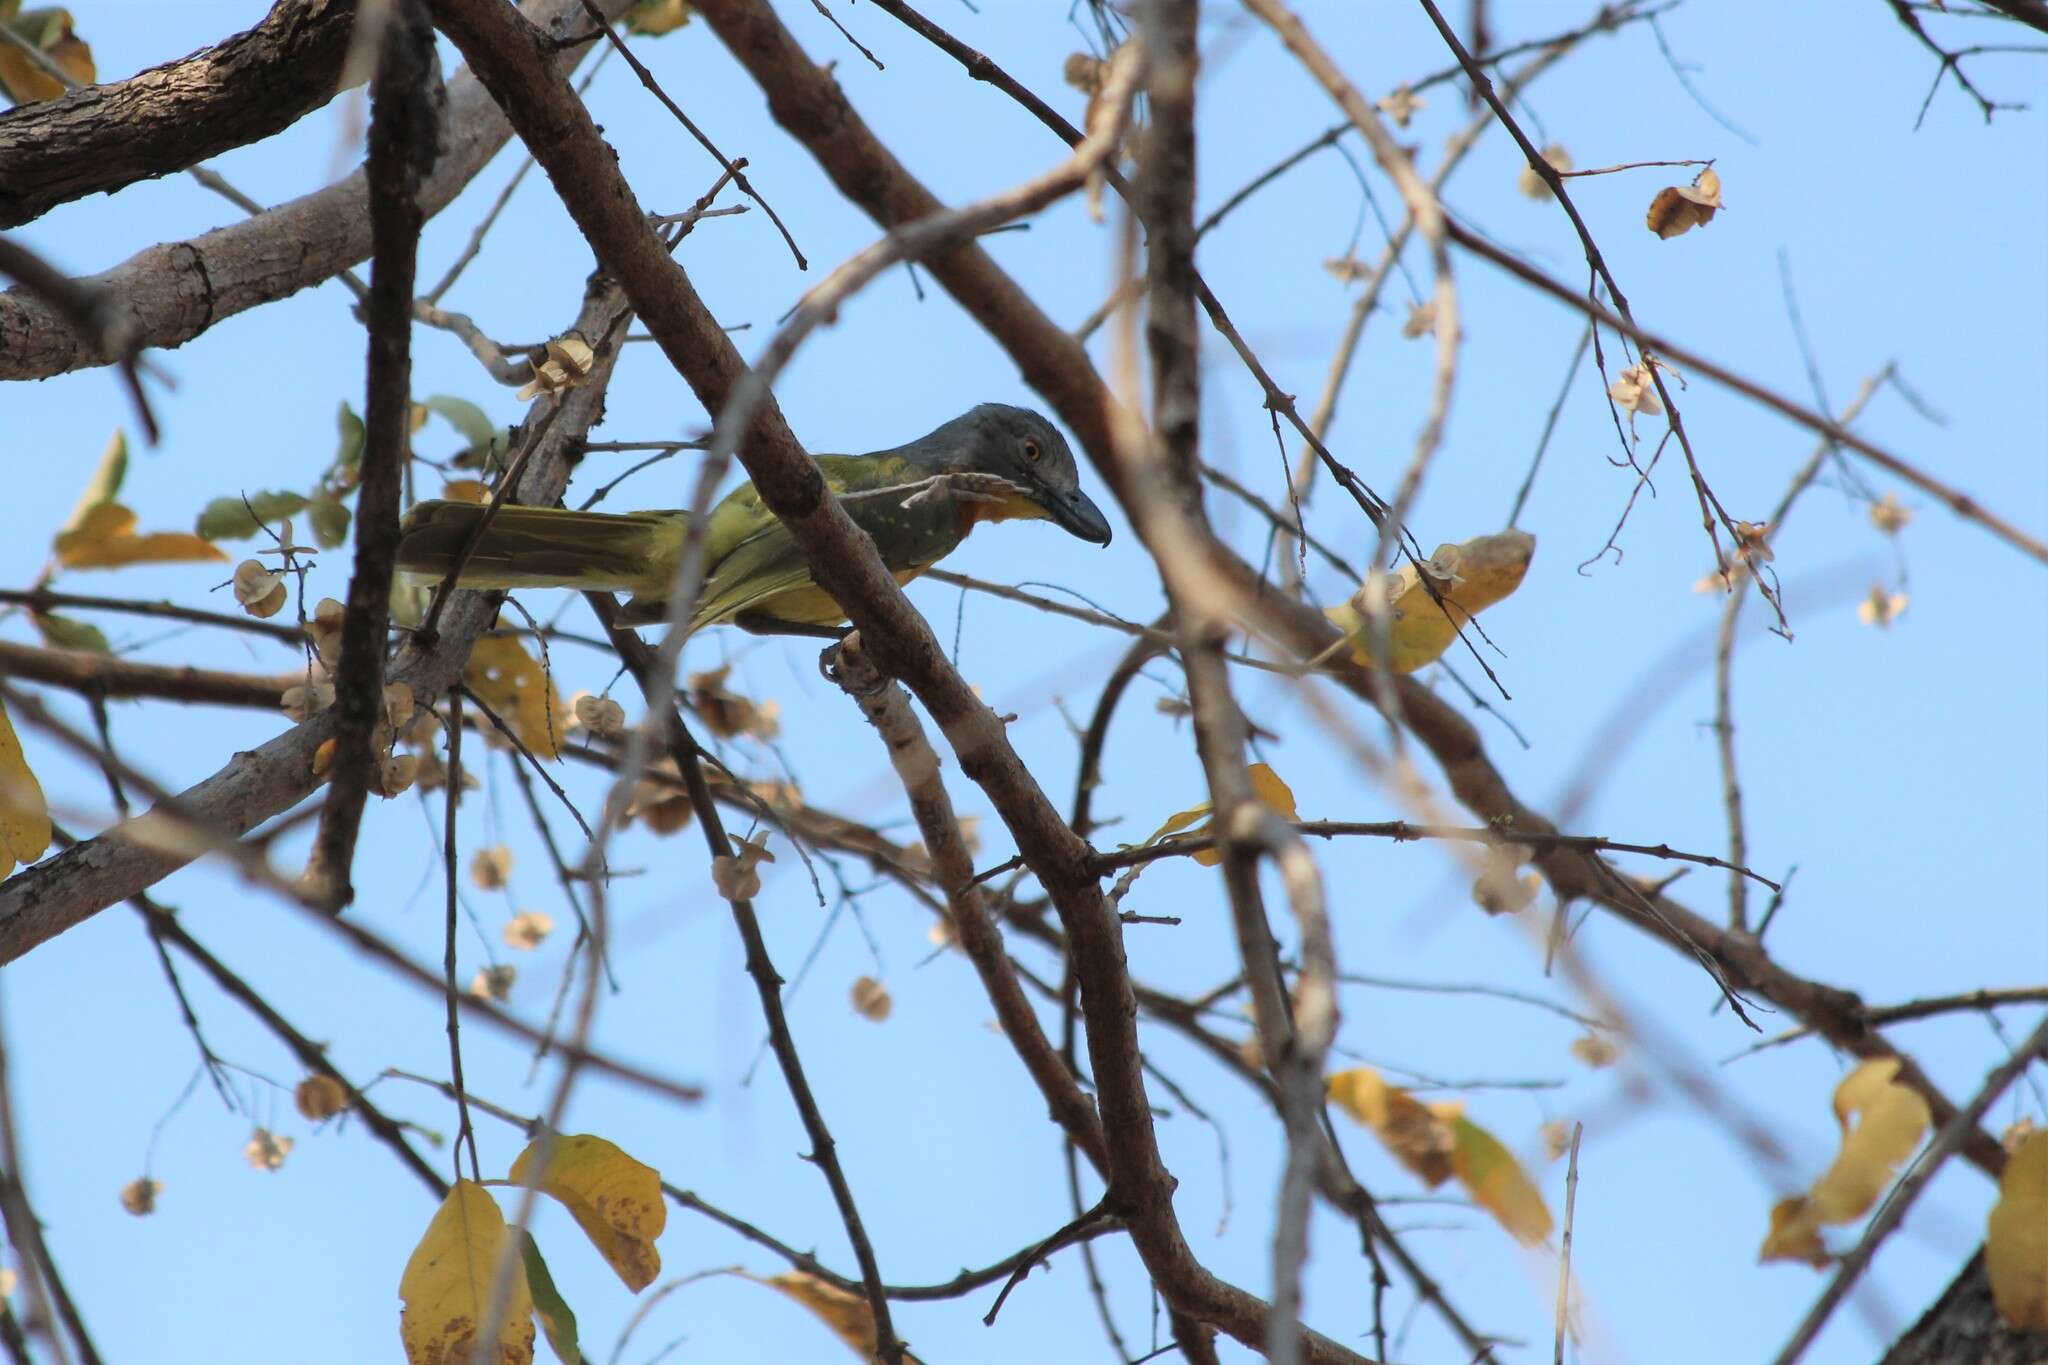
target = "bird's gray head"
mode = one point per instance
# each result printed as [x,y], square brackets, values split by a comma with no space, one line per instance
[1019,445]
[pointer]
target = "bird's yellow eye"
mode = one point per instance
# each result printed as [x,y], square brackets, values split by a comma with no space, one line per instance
[1031,451]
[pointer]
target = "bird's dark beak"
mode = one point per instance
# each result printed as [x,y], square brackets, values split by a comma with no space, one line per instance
[1077,514]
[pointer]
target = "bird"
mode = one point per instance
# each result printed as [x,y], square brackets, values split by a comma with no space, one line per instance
[918,501]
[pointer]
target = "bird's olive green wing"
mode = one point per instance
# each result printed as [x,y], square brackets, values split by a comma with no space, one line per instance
[757,566]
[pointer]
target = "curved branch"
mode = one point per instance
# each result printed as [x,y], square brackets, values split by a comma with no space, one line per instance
[99,138]
[174,291]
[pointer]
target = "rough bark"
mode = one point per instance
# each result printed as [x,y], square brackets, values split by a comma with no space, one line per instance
[170,117]
[173,291]
[1963,1325]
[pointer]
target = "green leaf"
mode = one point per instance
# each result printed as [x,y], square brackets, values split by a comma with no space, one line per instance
[351,453]
[465,416]
[557,1319]
[106,480]
[61,632]
[231,518]
[330,522]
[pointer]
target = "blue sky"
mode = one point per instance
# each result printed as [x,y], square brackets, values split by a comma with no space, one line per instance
[1904,772]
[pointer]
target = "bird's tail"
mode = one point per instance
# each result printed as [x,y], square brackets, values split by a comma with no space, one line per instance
[539,547]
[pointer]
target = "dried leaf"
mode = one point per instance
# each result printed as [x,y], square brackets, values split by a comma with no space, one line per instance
[566,365]
[320,1097]
[528,929]
[1420,322]
[139,1196]
[301,702]
[1532,184]
[726,713]
[871,999]
[1596,1050]
[1889,515]
[616,1200]
[1634,391]
[494,983]
[2016,1243]
[266,1150]
[1417,1136]
[736,876]
[260,591]
[662,808]
[448,1282]
[1680,208]
[325,631]
[1881,608]
[601,716]
[490,869]
[1402,105]
[1502,888]
[1083,72]
[396,773]
[398,705]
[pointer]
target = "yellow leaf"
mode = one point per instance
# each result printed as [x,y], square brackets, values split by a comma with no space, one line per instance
[1418,1136]
[108,477]
[49,31]
[1497,1181]
[1469,578]
[512,683]
[1890,1121]
[848,1315]
[613,1198]
[24,815]
[1272,793]
[652,18]
[466,490]
[2016,1245]
[104,538]
[1794,1235]
[447,1286]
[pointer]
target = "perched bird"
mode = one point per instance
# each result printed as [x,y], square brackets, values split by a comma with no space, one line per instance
[918,501]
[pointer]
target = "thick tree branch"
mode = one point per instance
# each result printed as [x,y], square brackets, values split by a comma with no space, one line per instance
[402,136]
[104,675]
[172,292]
[99,138]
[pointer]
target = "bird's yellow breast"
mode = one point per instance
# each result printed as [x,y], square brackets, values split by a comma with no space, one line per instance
[1004,506]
